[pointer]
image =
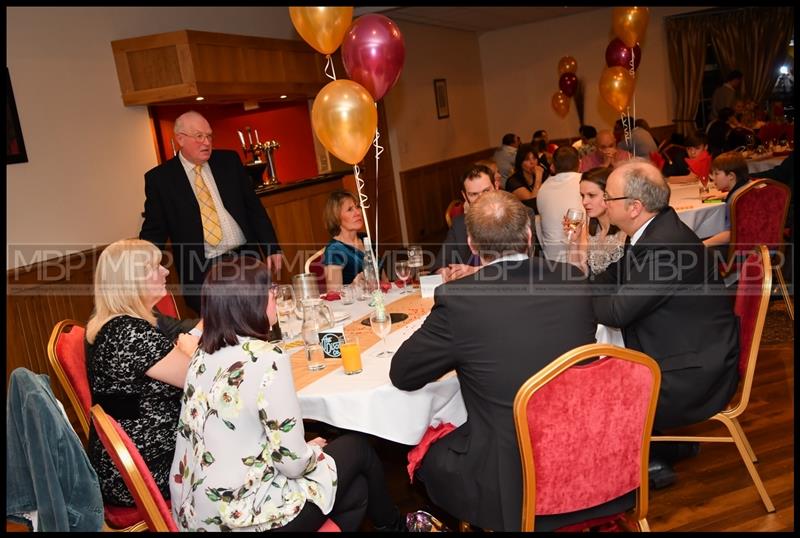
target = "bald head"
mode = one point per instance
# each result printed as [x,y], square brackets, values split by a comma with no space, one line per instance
[498,224]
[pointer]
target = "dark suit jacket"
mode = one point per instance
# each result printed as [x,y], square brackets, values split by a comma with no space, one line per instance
[171,212]
[496,328]
[665,297]
[455,248]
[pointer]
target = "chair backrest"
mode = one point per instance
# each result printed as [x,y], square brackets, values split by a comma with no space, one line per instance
[134,471]
[67,356]
[315,267]
[758,217]
[454,209]
[168,306]
[752,301]
[569,417]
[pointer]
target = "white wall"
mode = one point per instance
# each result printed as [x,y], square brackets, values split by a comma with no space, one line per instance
[520,68]
[83,184]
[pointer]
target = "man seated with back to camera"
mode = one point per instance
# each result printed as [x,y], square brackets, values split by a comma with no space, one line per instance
[665,295]
[495,328]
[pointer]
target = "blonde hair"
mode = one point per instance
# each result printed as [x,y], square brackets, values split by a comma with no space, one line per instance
[120,279]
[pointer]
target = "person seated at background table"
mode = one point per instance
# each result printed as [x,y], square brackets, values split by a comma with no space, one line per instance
[676,170]
[540,142]
[454,259]
[600,243]
[504,156]
[558,194]
[495,328]
[658,294]
[528,176]
[640,144]
[718,131]
[241,459]
[135,372]
[729,174]
[605,154]
[497,179]
[586,143]
[344,254]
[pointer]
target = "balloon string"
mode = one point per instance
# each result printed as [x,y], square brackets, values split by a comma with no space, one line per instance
[626,126]
[633,74]
[329,64]
[362,198]
[378,151]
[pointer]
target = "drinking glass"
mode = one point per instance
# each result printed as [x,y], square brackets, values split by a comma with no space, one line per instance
[381,326]
[415,261]
[285,304]
[351,355]
[574,218]
[403,272]
[703,186]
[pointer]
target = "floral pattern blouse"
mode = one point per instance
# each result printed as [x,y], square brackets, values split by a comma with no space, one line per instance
[241,460]
[603,251]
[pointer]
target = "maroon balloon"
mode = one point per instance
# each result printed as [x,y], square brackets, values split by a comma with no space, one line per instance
[373,52]
[568,83]
[619,54]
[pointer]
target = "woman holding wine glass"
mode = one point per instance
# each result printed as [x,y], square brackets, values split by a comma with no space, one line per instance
[528,176]
[344,254]
[599,244]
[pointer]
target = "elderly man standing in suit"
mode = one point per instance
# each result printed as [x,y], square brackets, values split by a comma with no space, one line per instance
[495,328]
[664,295]
[204,203]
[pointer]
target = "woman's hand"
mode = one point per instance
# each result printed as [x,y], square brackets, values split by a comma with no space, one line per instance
[319,441]
[187,343]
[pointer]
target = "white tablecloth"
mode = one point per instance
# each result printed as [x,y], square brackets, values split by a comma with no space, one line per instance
[754,166]
[706,219]
[369,403]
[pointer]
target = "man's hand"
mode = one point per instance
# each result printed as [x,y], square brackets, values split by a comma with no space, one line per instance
[459,270]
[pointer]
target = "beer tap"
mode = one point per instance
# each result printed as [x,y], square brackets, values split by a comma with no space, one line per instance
[269,148]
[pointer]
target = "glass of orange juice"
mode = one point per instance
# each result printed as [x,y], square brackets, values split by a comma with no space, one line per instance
[351,355]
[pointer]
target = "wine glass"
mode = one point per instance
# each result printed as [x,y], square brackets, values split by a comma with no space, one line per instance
[381,324]
[403,272]
[574,218]
[285,304]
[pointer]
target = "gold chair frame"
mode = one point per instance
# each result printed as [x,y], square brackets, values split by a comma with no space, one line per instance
[154,520]
[729,416]
[547,374]
[447,216]
[755,185]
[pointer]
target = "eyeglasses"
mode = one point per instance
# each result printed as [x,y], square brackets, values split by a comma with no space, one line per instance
[606,198]
[200,137]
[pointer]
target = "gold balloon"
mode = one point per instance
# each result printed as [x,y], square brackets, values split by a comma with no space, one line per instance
[616,87]
[345,118]
[567,64]
[630,23]
[322,27]
[560,103]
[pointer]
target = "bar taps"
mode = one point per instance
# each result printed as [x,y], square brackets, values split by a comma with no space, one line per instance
[254,149]
[268,149]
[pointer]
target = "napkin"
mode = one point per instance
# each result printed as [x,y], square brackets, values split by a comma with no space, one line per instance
[386,286]
[416,454]
[700,165]
[400,283]
[332,296]
[657,159]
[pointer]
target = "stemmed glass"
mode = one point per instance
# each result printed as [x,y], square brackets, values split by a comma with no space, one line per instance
[381,324]
[285,304]
[574,218]
[403,272]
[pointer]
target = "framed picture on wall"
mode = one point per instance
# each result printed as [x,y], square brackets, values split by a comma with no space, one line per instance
[15,145]
[440,92]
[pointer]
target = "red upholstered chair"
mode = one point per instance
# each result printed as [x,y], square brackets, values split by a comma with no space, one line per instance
[134,471]
[758,217]
[139,479]
[454,209]
[315,267]
[67,357]
[752,301]
[168,307]
[584,434]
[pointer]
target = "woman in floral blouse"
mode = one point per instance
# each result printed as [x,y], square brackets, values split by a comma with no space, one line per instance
[599,244]
[241,459]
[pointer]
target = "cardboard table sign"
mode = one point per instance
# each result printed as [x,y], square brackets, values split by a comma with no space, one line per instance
[329,340]
[428,283]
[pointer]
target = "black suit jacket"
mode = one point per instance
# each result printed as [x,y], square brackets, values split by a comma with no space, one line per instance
[495,328]
[171,212]
[455,248]
[665,297]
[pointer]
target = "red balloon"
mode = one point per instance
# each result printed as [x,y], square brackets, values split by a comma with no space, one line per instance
[373,52]
[619,54]
[568,83]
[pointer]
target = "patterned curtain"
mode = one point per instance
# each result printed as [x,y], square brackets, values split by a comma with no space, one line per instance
[686,41]
[753,40]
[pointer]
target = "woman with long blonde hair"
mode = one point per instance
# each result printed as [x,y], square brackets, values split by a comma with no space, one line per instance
[135,372]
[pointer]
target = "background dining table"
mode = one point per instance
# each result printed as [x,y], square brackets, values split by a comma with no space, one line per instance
[704,218]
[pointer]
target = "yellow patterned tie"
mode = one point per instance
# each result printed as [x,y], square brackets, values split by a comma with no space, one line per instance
[212,232]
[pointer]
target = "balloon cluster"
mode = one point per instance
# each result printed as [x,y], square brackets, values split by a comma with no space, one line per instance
[344,115]
[567,84]
[623,55]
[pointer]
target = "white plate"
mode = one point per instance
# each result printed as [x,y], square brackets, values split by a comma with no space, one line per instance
[340,316]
